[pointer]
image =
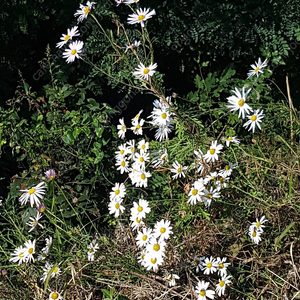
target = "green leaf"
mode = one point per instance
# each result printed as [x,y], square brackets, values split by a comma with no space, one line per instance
[76,132]
[99,131]
[68,137]
[99,157]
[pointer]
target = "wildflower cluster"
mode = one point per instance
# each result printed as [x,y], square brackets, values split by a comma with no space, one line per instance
[209,266]
[238,101]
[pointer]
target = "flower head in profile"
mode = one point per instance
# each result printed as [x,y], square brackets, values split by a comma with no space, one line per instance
[144,72]
[122,129]
[254,120]
[231,139]
[141,15]
[67,37]
[257,69]
[33,195]
[83,11]
[50,174]
[34,222]
[55,295]
[170,278]
[73,52]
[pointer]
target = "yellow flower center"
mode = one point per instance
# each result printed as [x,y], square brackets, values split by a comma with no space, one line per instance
[122,151]
[140,209]
[196,262]
[146,71]
[117,205]
[253,118]
[67,37]
[143,256]
[241,102]
[254,234]
[54,296]
[55,270]
[91,250]
[227,168]
[123,163]
[31,191]
[73,52]
[141,159]
[143,176]
[138,126]
[222,283]
[164,115]
[138,221]
[257,224]
[86,10]
[51,177]
[229,139]
[256,69]
[209,265]
[141,17]
[21,254]
[179,170]
[143,146]
[202,293]
[221,179]
[153,260]
[30,250]
[117,192]
[209,195]
[212,178]
[44,255]
[42,209]
[212,151]
[156,247]
[162,230]
[144,238]
[221,266]
[194,192]
[123,128]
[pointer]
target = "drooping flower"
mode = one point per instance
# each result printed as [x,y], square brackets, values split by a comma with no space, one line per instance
[67,37]
[83,11]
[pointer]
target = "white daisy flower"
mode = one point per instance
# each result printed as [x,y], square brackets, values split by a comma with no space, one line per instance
[19,255]
[232,139]
[254,120]
[122,165]
[140,178]
[209,195]
[153,262]
[209,265]
[66,37]
[255,234]
[160,159]
[196,192]
[156,248]
[30,250]
[178,170]
[197,263]
[199,161]
[118,192]
[223,281]
[42,255]
[170,278]
[48,244]
[34,222]
[226,172]
[212,153]
[33,195]
[131,149]
[136,118]
[162,229]
[238,102]
[163,131]
[122,151]
[145,72]
[134,45]
[75,48]
[140,209]
[141,16]
[257,69]
[137,128]
[221,182]
[83,11]
[143,238]
[92,248]
[118,2]
[202,291]
[130,1]
[55,295]
[210,177]
[259,223]
[115,207]
[141,159]
[143,146]
[122,129]
[141,258]
[136,223]
[222,266]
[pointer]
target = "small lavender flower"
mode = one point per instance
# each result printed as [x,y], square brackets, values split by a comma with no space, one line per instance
[41,207]
[50,174]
